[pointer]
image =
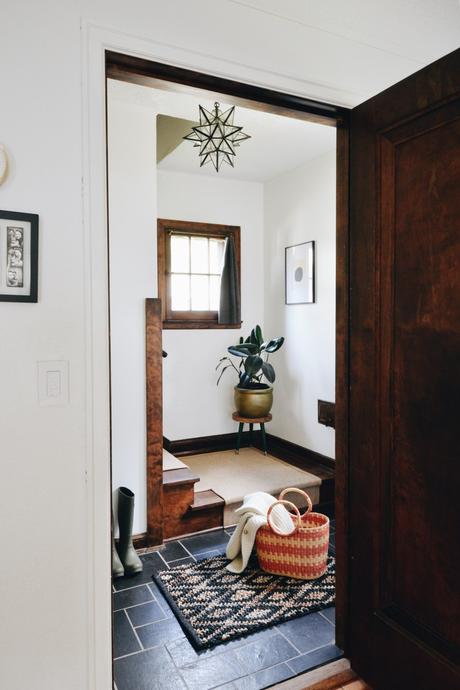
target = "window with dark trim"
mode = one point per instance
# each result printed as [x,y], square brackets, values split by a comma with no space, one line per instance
[189,265]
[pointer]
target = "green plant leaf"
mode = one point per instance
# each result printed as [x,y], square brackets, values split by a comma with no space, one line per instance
[274,345]
[259,336]
[269,372]
[222,372]
[244,379]
[241,340]
[253,364]
[242,350]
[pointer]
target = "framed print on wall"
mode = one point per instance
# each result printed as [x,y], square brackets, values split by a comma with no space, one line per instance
[18,256]
[300,273]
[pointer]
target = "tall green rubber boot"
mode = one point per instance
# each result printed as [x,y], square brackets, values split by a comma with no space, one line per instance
[128,556]
[117,565]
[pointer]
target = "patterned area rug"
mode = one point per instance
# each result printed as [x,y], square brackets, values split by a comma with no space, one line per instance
[214,605]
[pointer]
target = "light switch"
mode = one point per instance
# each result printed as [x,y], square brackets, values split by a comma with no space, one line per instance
[53,383]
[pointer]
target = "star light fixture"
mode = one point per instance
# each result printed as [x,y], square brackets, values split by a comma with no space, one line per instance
[216,136]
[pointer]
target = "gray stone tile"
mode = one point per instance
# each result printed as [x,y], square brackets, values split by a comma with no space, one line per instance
[150,670]
[172,551]
[183,653]
[308,632]
[208,541]
[265,653]
[262,679]
[318,657]
[212,671]
[158,594]
[131,597]
[329,614]
[152,562]
[145,613]
[124,639]
[207,554]
[182,561]
[160,633]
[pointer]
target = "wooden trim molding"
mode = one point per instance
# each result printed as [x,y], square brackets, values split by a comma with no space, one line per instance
[154,410]
[189,319]
[205,444]
[342,389]
[158,75]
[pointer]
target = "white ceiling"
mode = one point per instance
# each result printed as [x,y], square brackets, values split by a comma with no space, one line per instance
[345,51]
[277,144]
[338,51]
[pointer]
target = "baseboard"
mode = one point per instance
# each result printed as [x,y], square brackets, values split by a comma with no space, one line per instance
[140,541]
[207,444]
[298,455]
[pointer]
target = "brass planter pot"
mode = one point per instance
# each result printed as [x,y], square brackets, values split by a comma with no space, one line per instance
[253,402]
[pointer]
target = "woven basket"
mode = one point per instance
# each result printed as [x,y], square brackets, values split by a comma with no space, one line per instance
[301,554]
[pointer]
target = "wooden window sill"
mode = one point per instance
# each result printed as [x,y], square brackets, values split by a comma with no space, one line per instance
[189,324]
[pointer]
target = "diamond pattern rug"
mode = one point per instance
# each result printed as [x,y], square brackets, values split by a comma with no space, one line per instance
[214,605]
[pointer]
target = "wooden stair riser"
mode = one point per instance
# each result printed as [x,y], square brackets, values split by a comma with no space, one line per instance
[182,515]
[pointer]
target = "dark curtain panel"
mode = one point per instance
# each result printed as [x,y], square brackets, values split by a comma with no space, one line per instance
[230,302]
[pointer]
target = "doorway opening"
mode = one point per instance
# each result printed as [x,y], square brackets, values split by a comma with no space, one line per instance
[190,481]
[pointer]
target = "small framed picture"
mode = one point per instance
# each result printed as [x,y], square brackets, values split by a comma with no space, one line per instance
[18,257]
[300,273]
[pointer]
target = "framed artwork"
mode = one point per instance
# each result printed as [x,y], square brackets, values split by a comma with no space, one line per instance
[18,257]
[300,273]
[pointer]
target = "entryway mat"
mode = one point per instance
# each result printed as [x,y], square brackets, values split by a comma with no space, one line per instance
[214,606]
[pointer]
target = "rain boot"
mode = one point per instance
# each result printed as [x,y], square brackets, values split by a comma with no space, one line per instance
[128,556]
[117,565]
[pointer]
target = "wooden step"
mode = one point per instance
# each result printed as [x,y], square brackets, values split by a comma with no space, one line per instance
[204,500]
[179,477]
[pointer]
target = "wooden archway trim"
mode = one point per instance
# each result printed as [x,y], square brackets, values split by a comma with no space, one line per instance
[154,410]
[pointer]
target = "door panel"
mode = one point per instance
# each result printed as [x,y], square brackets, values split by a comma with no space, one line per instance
[405,382]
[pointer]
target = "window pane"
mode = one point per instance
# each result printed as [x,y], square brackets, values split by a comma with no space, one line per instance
[216,250]
[180,250]
[200,293]
[214,288]
[200,259]
[180,293]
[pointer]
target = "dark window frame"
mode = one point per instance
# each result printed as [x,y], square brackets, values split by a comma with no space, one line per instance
[189,319]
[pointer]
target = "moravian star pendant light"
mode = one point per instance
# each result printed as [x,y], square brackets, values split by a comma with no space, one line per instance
[217,136]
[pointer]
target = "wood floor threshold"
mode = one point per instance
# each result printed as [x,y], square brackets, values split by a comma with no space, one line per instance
[334,676]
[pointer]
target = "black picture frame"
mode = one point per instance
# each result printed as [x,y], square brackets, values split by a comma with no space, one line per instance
[32,294]
[312,244]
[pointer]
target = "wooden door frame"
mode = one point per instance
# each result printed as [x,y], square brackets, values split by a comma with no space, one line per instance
[127,68]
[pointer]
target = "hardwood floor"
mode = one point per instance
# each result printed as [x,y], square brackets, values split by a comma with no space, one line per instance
[347,680]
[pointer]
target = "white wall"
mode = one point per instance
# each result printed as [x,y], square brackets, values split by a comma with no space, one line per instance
[298,207]
[133,277]
[43,576]
[193,404]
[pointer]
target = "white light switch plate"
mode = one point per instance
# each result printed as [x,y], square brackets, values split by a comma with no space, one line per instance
[53,383]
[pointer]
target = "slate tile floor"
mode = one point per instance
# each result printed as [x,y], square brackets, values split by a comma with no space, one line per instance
[151,651]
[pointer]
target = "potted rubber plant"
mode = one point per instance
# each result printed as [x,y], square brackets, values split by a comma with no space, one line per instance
[254,391]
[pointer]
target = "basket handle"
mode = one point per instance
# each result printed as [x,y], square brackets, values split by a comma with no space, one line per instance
[291,505]
[295,490]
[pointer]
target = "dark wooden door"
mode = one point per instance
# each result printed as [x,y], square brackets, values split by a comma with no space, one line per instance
[404,419]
